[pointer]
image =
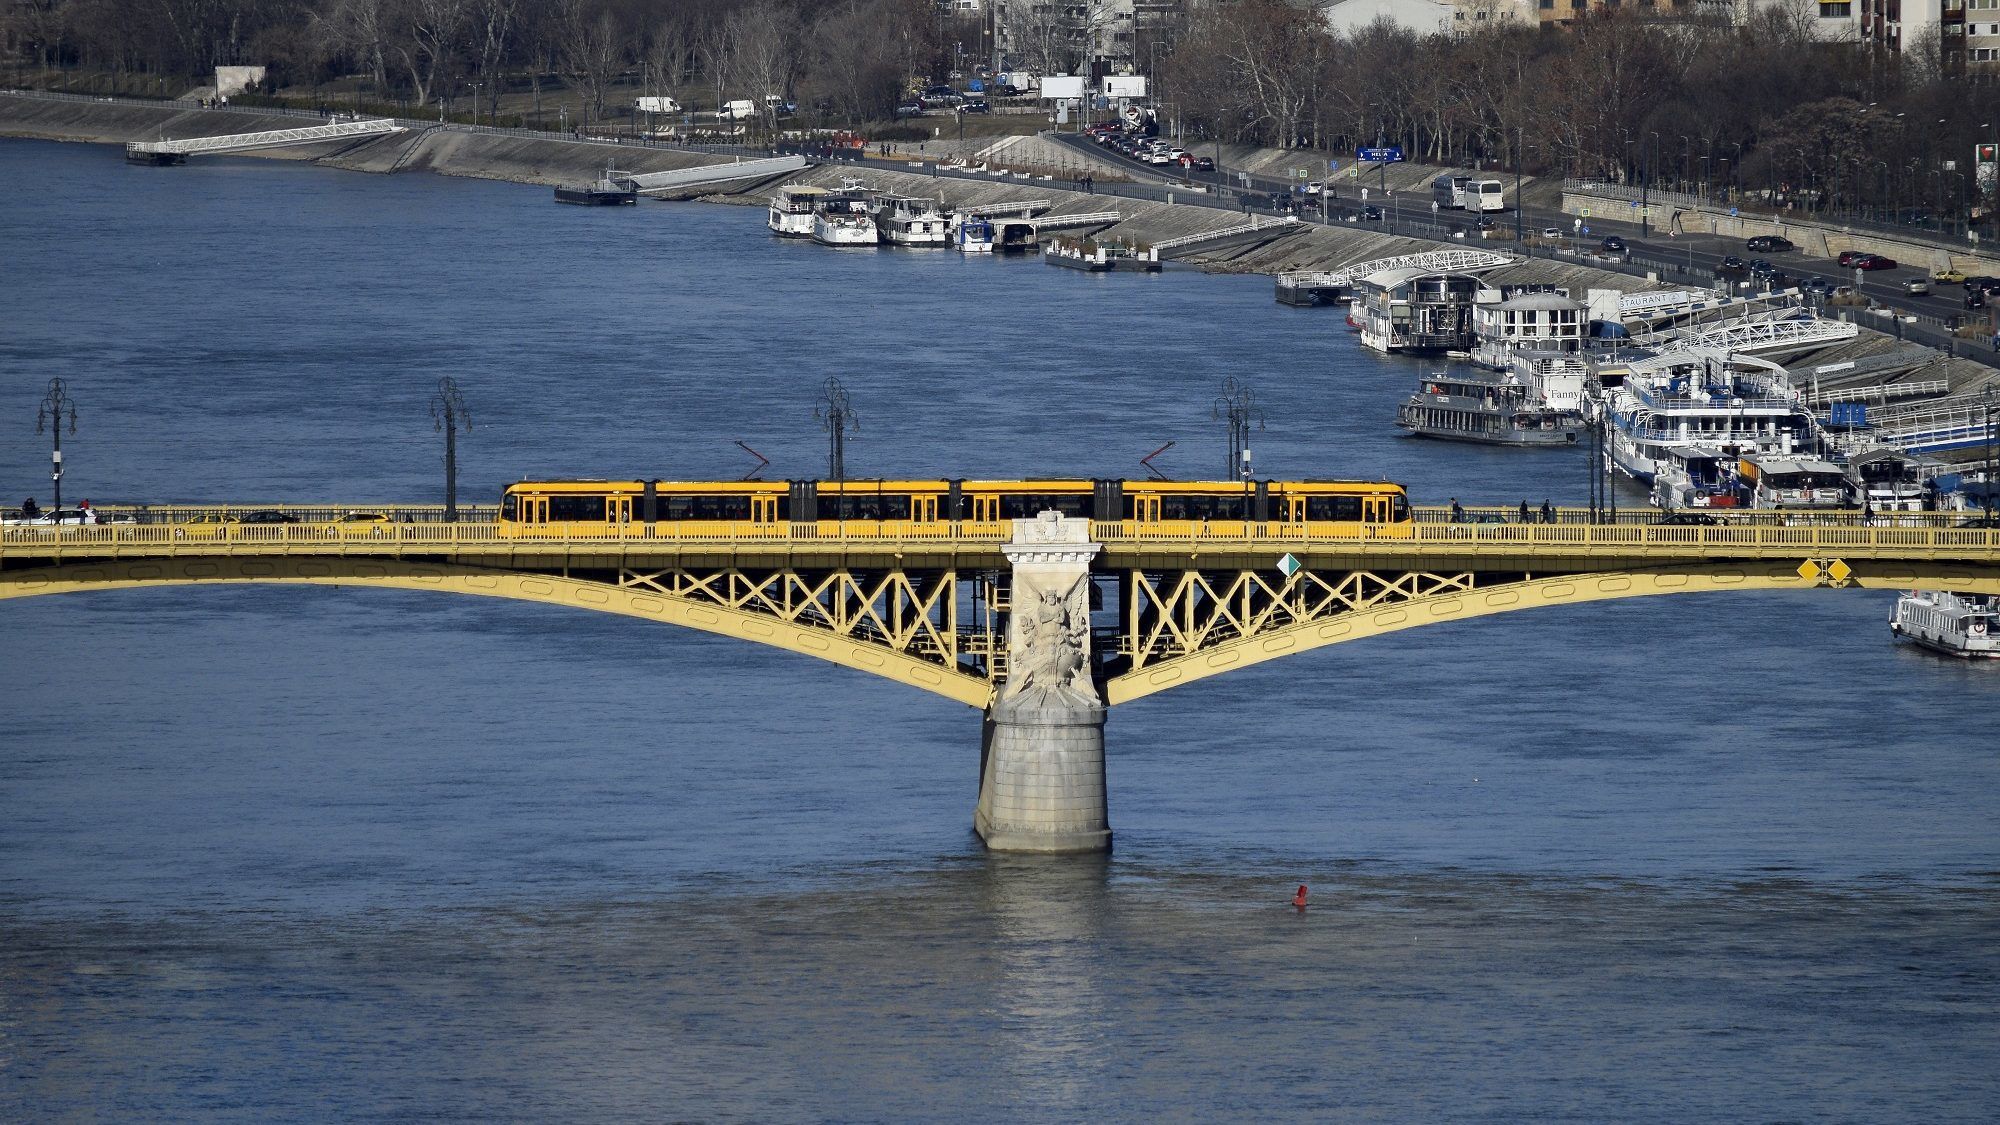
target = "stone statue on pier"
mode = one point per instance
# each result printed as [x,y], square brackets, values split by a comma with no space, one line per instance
[1051,651]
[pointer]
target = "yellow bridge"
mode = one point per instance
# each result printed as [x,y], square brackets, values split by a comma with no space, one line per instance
[1110,611]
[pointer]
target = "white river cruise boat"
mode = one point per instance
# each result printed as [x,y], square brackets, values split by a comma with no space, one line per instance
[1734,403]
[906,220]
[1966,625]
[792,210]
[842,219]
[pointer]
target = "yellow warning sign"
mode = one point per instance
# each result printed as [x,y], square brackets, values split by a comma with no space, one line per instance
[1809,570]
[1840,571]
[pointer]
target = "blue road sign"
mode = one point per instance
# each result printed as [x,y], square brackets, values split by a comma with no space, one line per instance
[1732,212]
[1333,165]
[1388,154]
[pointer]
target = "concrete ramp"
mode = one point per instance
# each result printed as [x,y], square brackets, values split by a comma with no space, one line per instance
[682,178]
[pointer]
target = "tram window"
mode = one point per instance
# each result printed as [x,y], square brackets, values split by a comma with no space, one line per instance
[1028,506]
[576,509]
[705,507]
[1401,510]
[868,506]
[1203,507]
[1339,508]
[510,506]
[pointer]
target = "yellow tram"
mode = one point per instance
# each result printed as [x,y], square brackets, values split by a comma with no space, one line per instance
[898,508]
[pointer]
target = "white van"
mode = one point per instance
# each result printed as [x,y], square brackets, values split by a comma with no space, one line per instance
[658,105]
[740,110]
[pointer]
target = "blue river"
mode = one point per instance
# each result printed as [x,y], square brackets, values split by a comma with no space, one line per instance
[308,854]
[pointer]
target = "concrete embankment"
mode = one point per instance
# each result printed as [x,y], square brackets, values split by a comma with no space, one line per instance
[1299,246]
[449,151]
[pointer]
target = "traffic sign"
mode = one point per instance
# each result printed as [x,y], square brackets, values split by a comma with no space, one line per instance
[1385,154]
[1290,565]
[1586,212]
[1732,212]
[1333,165]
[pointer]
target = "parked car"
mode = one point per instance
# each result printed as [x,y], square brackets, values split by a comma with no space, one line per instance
[1612,244]
[1204,164]
[1371,214]
[1315,187]
[1917,287]
[1552,232]
[909,109]
[975,107]
[1732,267]
[1974,284]
[1873,262]
[1819,285]
[1760,267]
[1847,257]
[1769,244]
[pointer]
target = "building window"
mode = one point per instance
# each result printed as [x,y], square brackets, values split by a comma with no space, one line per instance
[1834,11]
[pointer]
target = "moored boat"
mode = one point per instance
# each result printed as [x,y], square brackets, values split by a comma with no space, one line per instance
[842,218]
[1488,409]
[1965,625]
[973,234]
[604,192]
[907,220]
[791,213]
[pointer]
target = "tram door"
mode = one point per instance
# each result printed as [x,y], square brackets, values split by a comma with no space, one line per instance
[985,509]
[534,509]
[923,509]
[1145,508]
[1375,509]
[764,509]
[1285,512]
[617,510]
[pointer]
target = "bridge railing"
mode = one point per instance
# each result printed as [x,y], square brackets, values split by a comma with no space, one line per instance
[1889,534]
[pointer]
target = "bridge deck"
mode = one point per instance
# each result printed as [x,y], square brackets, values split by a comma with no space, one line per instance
[1533,546]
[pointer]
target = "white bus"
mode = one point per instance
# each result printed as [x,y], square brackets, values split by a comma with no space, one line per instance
[1464,193]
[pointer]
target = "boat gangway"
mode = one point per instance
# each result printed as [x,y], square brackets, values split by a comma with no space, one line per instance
[1258,224]
[1959,423]
[646,183]
[1765,337]
[1880,393]
[1026,208]
[1022,232]
[1658,310]
[174,152]
[1455,260]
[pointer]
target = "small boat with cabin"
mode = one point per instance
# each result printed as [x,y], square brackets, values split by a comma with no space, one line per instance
[1791,483]
[973,234]
[843,218]
[1489,409]
[791,214]
[1093,256]
[908,220]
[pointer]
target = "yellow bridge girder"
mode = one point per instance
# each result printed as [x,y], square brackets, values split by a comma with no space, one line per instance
[642,597]
[1233,630]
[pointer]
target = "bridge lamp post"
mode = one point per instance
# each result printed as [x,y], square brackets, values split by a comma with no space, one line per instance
[1989,398]
[836,415]
[54,403]
[449,415]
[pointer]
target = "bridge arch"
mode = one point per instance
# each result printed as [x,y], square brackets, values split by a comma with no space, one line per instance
[1468,601]
[630,601]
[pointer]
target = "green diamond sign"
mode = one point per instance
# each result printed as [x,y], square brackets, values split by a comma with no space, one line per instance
[1290,565]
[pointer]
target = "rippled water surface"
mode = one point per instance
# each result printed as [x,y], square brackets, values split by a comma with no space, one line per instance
[273,853]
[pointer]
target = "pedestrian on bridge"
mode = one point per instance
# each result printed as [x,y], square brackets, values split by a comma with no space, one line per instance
[1526,515]
[1457,513]
[1548,511]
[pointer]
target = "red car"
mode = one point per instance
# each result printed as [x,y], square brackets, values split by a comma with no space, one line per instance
[1873,262]
[1847,257]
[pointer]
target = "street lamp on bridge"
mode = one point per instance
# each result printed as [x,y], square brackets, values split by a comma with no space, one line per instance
[449,415]
[54,403]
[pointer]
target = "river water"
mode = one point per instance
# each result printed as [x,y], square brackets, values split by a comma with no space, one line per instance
[272,853]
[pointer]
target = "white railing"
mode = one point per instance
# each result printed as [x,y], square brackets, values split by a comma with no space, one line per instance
[709,173]
[1454,260]
[274,138]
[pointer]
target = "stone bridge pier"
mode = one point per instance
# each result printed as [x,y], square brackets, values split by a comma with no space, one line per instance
[1041,770]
